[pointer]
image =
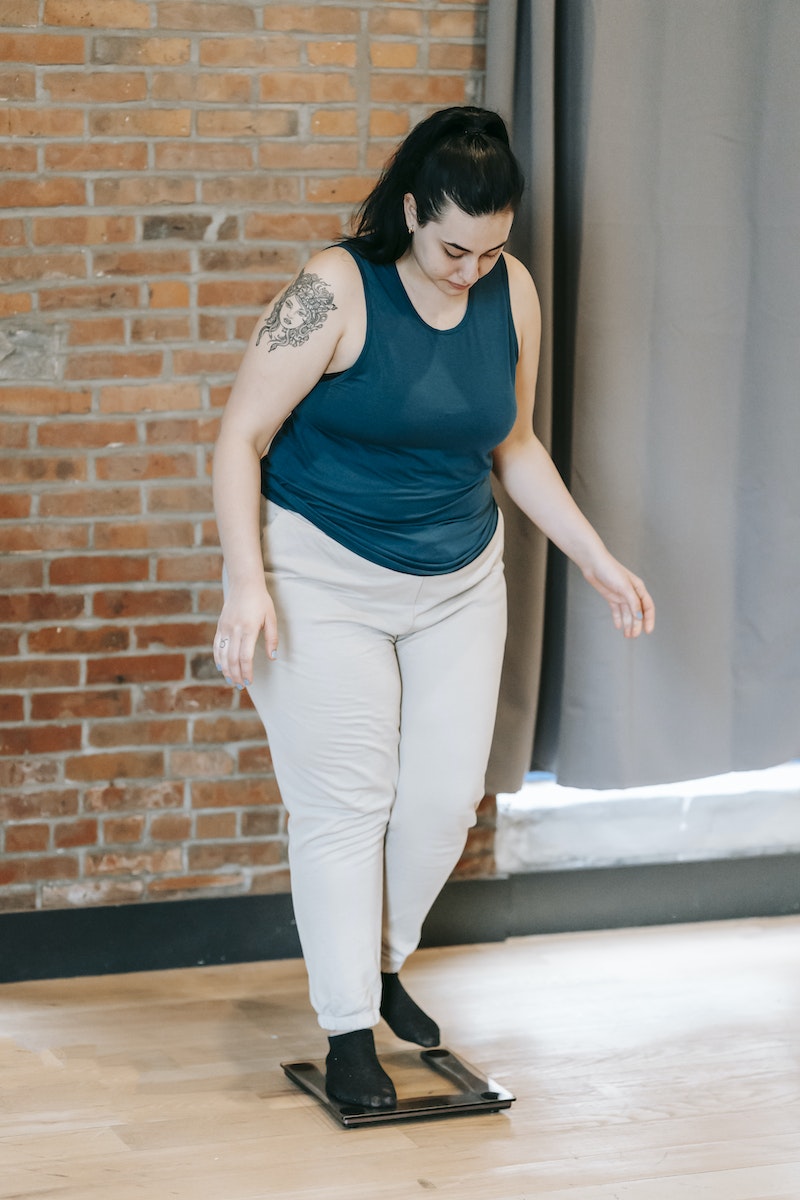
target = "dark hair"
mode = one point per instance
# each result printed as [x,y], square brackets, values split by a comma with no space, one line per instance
[460,155]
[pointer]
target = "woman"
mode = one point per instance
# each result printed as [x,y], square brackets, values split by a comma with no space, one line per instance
[376,395]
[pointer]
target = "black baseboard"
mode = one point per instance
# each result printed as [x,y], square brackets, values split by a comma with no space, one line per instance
[180,933]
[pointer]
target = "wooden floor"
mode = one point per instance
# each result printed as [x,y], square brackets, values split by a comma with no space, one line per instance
[648,1064]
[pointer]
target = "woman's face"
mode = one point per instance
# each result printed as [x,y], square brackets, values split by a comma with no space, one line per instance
[456,250]
[292,313]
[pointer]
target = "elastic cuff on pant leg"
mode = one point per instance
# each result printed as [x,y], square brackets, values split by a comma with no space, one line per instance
[350,1023]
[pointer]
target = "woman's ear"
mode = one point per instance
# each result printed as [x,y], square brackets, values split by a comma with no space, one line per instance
[410,211]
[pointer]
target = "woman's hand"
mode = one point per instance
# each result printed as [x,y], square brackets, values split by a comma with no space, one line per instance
[629,600]
[248,609]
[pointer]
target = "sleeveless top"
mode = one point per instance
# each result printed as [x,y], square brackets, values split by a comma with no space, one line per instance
[391,457]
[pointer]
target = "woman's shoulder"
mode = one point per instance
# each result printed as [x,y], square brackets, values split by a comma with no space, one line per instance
[525,308]
[338,271]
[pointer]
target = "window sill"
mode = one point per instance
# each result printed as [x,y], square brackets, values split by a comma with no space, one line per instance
[545,827]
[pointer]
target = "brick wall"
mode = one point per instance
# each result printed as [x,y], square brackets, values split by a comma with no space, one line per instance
[166,167]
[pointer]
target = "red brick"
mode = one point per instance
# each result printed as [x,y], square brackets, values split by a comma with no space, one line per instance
[18,899]
[342,189]
[189,14]
[172,827]
[12,708]
[40,606]
[43,401]
[142,262]
[169,293]
[208,764]
[234,793]
[153,397]
[107,734]
[14,507]
[453,24]
[9,643]
[293,227]
[316,156]
[252,189]
[302,18]
[263,823]
[179,885]
[179,498]
[110,330]
[42,673]
[189,567]
[110,14]
[166,633]
[39,739]
[152,862]
[122,829]
[125,764]
[68,834]
[395,21]
[26,268]
[114,366]
[270,882]
[161,329]
[203,156]
[28,870]
[141,51]
[335,122]
[87,703]
[18,159]
[17,84]
[215,826]
[449,56]
[41,193]
[145,466]
[417,89]
[96,87]
[41,469]
[300,87]
[143,122]
[14,303]
[129,604]
[93,892]
[82,231]
[254,294]
[240,727]
[16,539]
[192,698]
[97,156]
[255,760]
[140,192]
[250,52]
[213,856]
[20,12]
[180,431]
[143,535]
[35,805]
[44,123]
[101,296]
[394,55]
[65,639]
[23,839]
[331,54]
[91,435]
[130,796]
[135,668]
[101,569]
[269,122]
[91,502]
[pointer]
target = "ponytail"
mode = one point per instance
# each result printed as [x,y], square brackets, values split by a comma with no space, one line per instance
[458,155]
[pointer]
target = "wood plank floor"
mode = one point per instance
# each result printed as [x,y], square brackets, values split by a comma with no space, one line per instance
[648,1064]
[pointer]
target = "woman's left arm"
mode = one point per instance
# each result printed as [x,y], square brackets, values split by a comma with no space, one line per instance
[529,475]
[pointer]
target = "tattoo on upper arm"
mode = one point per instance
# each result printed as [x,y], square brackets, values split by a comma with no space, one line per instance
[302,308]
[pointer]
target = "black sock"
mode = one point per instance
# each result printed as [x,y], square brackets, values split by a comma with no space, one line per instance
[354,1074]
[403,1016]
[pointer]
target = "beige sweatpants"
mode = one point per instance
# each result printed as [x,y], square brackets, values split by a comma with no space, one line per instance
[380,710]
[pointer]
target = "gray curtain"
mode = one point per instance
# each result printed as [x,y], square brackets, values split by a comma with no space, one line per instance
[661,145]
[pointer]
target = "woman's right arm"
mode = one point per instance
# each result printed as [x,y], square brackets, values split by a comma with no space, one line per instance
[274,376]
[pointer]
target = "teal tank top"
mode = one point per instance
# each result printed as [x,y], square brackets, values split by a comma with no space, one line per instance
[392,457]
